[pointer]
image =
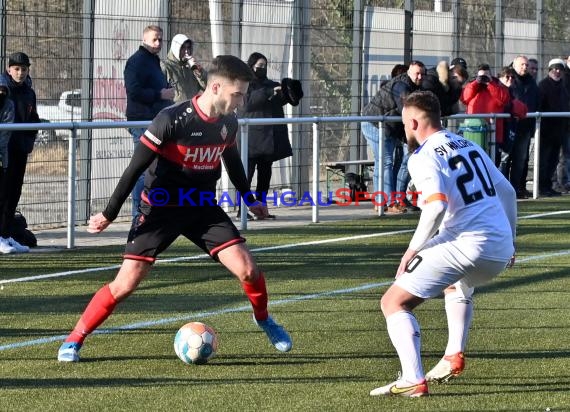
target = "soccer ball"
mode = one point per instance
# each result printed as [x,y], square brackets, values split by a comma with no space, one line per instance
[195,343]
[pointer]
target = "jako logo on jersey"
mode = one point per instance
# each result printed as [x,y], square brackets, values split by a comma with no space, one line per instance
[196,134]
[202,157]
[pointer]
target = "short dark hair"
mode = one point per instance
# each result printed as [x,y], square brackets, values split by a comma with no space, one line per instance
[460,71]
[254,57]
[399,69]
[484,66]
[507,71]
[425,101]
[416,63]
[230,67]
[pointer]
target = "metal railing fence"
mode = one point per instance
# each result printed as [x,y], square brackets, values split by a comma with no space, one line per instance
[75,145]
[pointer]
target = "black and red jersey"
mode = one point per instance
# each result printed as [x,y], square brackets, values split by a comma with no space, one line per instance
[189,145]
[182,151]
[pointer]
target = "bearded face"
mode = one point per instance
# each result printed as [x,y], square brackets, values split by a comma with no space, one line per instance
[412,144]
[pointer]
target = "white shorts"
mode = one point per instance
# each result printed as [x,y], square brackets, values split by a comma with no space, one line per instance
[441,264]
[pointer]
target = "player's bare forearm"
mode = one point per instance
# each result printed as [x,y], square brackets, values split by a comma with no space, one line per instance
[98,223]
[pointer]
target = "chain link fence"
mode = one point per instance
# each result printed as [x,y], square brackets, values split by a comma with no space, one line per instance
[340,50]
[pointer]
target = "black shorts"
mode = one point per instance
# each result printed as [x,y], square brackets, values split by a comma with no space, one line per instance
[155,228]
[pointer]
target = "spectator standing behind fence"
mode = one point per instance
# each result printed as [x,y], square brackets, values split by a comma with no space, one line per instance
[372,134]
[388,102]
[183,72]
[533,68]
[562,176]
[6,116]
[20,146]
[147,91]
[524,89]
[486,94]
[553,98]
[518,111]
[447,84]
[266,144]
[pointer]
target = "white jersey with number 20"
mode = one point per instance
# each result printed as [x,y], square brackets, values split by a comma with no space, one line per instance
[450,168]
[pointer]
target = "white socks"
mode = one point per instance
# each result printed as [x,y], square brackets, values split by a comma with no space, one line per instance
[459,311]
[404,332]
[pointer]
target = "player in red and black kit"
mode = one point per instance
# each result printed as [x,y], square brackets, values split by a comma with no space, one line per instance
[182,150]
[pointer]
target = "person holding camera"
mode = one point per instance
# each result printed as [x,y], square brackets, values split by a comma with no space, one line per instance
[182,70]
[486,94]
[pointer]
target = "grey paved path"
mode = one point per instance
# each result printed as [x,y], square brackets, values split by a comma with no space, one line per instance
[116,233]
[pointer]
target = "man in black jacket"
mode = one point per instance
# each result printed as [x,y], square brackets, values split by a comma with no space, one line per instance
[525,89]
[21,143]
[147,90]
[553,98]
[389,102]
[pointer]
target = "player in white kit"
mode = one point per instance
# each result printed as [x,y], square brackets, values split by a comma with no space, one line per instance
[472,207]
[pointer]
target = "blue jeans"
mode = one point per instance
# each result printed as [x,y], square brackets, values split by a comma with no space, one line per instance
[136,133]
[395,167]
[372,136]
[403,175]
[396,174]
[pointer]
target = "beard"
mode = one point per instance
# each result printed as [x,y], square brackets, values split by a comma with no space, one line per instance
[412,144]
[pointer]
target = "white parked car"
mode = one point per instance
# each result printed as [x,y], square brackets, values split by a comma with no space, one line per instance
[67,110]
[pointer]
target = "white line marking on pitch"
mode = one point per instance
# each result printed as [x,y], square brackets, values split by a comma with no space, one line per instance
[203,256]
[201,315]
[262,249]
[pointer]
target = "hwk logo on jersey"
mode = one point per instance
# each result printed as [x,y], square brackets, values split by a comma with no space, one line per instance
[203,157]
[224,132]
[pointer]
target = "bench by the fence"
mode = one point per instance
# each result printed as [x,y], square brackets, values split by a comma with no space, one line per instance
[338,170]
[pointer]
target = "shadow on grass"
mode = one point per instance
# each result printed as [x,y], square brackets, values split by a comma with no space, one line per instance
[69,383]
[502,283]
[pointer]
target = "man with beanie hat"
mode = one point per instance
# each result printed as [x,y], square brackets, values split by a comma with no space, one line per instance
[458,61]
[562,177]
[553,98]
[21,143]
[182,70]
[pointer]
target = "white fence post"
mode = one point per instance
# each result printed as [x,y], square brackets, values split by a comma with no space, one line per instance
[316,172]
[536,166]
[71,175]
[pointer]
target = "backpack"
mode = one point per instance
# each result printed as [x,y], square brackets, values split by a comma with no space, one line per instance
[356,185]
[20,231]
